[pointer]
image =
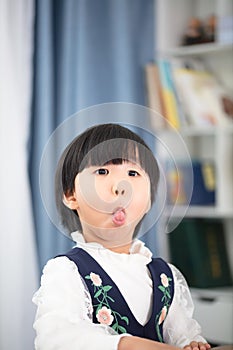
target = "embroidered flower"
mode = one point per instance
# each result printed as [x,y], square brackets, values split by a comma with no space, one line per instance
[166,302]
[162,315]
[102,308]
[97,281]
[104,316]
[164,280]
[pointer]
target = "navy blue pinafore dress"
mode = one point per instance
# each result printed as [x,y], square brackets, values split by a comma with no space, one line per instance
[110,306]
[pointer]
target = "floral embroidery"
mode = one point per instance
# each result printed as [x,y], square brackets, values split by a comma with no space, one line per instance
[164,280]
[166,300]
[163,315]
[104,316]
[104,313]
[97,281]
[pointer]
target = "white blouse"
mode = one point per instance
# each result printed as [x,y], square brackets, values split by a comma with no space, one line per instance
[64,307]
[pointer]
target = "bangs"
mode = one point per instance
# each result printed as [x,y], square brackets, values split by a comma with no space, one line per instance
[113,151]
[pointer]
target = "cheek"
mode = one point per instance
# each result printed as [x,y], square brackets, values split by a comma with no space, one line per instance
[142,197]
[102,189]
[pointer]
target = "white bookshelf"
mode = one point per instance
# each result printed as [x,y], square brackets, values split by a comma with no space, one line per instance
[199,211]
[213,311]
[200,49]
[215,143]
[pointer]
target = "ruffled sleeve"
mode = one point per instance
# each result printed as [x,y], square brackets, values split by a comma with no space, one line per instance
[179,326]
[64,312]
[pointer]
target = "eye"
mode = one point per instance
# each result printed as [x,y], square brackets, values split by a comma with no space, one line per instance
[102,171]
[133,173]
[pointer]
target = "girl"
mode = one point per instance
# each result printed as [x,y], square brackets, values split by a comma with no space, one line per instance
[108,292]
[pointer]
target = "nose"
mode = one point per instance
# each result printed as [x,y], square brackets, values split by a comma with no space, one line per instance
[122,192]
[120,188]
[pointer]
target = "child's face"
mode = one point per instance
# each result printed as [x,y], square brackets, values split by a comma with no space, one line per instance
[110,201]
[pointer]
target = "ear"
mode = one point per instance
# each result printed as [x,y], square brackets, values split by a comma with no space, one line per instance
[70,201]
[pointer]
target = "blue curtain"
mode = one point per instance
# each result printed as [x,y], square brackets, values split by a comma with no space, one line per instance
[86,53]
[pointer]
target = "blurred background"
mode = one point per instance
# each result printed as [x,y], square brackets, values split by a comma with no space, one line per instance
[58,57]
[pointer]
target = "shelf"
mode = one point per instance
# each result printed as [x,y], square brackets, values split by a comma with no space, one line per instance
[213,142]
[226,292]
[201,49]
[212,306]
[200,212]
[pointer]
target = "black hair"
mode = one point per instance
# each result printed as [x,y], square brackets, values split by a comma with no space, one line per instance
[99,145]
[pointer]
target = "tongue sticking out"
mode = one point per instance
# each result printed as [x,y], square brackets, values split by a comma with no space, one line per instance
[118,217]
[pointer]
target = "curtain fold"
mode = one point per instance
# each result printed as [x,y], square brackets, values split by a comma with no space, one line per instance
[86,53]
[18,258]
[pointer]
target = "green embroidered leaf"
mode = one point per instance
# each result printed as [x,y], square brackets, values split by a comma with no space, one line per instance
[110,298]
[97,294]
[161,288]
[115,326]
[124,318]
[107,288]
[87,277]
[168,294]
[98,308]
[122,329]
[157,328]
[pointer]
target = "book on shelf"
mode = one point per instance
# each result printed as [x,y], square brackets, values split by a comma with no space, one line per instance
[198,249]
[168,93]
[201,96]
[160,92]
[154,94]
[179,182]
[187,93]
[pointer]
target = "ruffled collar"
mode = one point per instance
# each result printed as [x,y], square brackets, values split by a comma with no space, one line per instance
[137,247]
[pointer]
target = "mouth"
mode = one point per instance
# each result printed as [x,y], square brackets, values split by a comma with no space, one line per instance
[119,216]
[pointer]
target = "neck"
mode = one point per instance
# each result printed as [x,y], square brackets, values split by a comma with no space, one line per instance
[122,249]
[109,239]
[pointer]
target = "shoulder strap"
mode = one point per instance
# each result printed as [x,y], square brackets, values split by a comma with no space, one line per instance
[163,285]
